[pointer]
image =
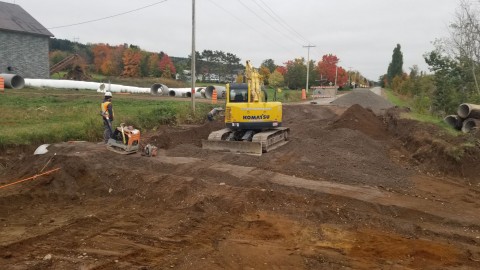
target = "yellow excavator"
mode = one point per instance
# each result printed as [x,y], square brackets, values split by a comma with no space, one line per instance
[253,124]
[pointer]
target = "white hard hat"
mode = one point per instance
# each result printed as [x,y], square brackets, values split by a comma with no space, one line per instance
[108,94]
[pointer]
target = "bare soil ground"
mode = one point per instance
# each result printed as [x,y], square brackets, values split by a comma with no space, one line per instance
[349,191]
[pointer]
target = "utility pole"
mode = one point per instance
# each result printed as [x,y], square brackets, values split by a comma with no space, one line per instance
[192,72]
[308,63]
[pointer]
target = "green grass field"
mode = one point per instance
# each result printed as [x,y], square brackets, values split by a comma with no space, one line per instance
[33,116]
[36,116]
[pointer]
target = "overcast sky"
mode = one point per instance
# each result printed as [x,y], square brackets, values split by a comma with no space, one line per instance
[362,33]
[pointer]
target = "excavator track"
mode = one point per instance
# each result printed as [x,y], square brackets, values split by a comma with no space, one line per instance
[272,139]
[262,142]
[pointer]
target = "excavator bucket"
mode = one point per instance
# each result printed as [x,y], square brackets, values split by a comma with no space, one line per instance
[241,147]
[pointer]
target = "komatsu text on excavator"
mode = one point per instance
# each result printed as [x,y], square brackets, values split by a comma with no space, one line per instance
[253,124]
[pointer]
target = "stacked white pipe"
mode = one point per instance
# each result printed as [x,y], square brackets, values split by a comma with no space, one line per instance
[155,89]
[68,84]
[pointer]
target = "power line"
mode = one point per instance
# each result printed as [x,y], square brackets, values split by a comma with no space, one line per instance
[265,21]
[242,21]
[288,27]
[271,16]
[270,12]
[109,17]
[281,21]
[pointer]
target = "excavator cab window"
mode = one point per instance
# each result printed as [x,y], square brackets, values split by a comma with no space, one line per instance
[238,95]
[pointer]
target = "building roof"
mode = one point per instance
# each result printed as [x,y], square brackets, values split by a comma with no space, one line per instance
[15,18]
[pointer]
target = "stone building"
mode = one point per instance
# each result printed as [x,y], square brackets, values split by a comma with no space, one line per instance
[24,43]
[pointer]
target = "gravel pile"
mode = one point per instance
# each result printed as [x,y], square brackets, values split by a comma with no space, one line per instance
[364,98]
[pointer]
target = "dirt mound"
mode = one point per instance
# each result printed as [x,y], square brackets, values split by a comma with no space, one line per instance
[364,120]
[316,151]
[364,98]
[168,137]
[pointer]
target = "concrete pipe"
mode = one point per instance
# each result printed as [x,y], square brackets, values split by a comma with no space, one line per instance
[470,124]
[454,121]
[13,81]
[179,92]
[467,110]
[158,86]
[198,93]
[220,91]
[101,88]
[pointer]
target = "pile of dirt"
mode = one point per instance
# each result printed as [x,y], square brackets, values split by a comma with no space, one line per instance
[364,98]
[316,151]
[364,120]
[170,136]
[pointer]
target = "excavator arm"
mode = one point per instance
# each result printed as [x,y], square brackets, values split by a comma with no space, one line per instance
[254,81]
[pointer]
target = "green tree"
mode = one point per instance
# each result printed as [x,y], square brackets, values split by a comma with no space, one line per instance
[232,63]
[270,64]
[448,82]
[312,74]
[153,65]
[276,79]
[57,56]
[144,71]
[395,68]
[296,73]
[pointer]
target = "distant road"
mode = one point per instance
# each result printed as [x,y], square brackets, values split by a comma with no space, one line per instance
[377,90]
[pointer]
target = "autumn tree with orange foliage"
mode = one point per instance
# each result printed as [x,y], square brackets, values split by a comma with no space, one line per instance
[327,67]
[329,70]
[132,58]
[166,67]
[282,70]
[101,52]
[265,72]
[107,60]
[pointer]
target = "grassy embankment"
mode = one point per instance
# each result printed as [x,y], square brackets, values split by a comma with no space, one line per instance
[422,117]
[34,116]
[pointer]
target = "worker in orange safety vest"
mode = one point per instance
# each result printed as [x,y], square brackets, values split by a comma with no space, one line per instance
[107,115]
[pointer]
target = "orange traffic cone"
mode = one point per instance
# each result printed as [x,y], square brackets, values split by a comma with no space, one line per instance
[304,94]
[214,96]
[2,85]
